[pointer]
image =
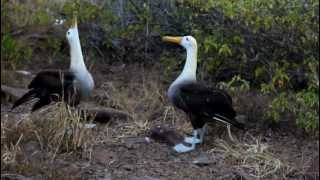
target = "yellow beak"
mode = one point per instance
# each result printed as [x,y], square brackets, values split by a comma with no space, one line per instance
[74,22]
[172,39]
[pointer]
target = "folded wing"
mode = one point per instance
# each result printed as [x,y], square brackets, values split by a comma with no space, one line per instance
[51,85]
[208,103]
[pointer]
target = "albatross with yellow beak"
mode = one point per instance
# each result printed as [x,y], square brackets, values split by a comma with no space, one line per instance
[201,103]
[55,85]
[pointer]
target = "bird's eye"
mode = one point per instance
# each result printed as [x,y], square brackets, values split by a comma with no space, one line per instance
[68,32]
[187,39]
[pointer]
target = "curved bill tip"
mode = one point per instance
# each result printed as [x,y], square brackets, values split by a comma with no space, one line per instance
[172,39]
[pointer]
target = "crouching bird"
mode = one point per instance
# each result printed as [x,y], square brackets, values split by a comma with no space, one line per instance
[201,103]
[70,85]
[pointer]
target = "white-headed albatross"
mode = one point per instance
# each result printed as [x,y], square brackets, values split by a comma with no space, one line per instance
[51,85]
[201,103]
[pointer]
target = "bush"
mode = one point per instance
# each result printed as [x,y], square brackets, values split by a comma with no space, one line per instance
[304,104]
[13,51]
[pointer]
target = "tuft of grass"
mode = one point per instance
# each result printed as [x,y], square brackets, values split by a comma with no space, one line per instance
[252,157]
[10,152]
[55,130]
[14,135]
[141,97]
[64,130]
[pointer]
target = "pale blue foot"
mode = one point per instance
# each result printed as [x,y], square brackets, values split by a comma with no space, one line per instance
[181,148]
[192,140]
[89,125]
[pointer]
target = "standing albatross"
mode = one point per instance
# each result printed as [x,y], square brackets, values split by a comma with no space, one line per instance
[56,85]
[201,103]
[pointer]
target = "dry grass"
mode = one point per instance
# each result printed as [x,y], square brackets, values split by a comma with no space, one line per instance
[50,131]
[144,99]
[10,152]
[66,131]
[58,131]
[249,156]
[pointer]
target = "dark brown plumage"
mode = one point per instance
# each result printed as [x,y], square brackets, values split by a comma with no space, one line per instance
[204,104]
[51,86]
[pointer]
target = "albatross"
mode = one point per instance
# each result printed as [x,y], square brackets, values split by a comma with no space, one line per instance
[201,103]
[70,85]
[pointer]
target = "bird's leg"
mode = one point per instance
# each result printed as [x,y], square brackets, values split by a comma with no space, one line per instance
[181,148]
[194,139]
[203,132]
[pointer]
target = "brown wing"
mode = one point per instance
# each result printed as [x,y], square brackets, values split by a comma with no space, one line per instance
[48,86]
[206,102]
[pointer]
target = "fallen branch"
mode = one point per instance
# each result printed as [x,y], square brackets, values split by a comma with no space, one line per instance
[24,73]
[12,92]
[92,112]
[15,176]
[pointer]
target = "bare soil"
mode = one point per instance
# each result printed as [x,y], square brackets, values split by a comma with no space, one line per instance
[120,149]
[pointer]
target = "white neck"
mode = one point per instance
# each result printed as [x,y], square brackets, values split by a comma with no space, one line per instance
[190,67]
[77,62]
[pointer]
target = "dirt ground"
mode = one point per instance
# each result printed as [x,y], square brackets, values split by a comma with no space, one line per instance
[120,149]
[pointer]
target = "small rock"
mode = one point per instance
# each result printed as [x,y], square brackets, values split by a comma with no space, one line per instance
[102,156]
[202,160]
[131,142]
[164,134]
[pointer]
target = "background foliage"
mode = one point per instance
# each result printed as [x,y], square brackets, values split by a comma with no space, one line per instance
[270,45]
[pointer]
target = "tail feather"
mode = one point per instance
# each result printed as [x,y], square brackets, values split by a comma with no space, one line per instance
[43,101]
[25,98]
[228,121]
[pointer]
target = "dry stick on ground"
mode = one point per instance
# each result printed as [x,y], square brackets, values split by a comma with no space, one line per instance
[12,92]
[14,176]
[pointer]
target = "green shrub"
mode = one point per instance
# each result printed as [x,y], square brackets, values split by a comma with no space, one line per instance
[304,104]
[13,51]
[236,84]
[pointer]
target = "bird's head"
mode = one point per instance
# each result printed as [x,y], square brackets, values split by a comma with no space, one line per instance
[72,33]
[185,41]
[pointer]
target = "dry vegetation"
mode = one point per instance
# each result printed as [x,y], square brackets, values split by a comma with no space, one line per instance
[54,144]
[265,53]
